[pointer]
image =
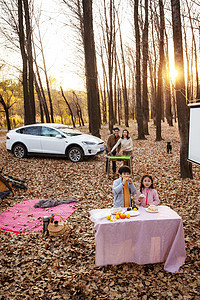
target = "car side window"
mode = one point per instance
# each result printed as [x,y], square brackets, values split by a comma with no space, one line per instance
[46,131]
[32,130]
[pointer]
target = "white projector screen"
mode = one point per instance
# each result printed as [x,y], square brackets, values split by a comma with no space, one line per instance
[194,134]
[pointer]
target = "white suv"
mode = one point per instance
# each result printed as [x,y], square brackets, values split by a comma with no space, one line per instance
[52,139]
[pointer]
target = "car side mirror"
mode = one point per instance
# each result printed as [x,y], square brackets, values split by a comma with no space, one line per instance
[59,136]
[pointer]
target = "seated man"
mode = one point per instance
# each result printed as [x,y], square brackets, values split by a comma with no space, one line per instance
[112,140]
[123,188]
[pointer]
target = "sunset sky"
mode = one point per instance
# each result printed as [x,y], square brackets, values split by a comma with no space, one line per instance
[58,46]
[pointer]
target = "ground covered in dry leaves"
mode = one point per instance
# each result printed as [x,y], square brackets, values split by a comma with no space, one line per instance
[37,267]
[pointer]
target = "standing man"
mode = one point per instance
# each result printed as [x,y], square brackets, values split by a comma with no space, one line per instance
[112,140]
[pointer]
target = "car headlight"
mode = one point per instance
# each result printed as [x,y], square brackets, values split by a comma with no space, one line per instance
[89,143]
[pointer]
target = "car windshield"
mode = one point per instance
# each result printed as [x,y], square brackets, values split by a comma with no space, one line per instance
[70,132]
[65,129]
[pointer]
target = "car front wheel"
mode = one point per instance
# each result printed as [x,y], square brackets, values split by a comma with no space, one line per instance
[19,151]
[75,154]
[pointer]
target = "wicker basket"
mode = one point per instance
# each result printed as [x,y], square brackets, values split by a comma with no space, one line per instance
[56,230]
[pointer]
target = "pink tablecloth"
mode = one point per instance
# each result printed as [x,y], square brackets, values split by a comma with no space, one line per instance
[145,239]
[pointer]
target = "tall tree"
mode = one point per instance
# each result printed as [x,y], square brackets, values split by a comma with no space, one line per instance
[125,94]
[182,110]
[138,74]
[159,97]
[91,69]
[70,110]
[145,103]
[6,109]
[168,105]
[79,110]
[25,41]
[109,44]
[195,54]
[46,75]
[39,88]
[187,61]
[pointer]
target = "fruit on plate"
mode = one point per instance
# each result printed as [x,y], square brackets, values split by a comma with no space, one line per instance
[117,216]
[135,207]
[128,216]
[128,208]
[108,217]
[118,213]
[122,216]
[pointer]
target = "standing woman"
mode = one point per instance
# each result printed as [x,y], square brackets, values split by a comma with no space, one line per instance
[126,144]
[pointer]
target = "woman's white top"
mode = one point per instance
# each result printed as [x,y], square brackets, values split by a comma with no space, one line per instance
[126,144]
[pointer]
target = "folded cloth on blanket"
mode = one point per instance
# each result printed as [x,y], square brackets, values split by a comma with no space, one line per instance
[53,202]
[4,194]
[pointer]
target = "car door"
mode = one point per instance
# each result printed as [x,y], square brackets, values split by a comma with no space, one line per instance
[52,141]
[31,137]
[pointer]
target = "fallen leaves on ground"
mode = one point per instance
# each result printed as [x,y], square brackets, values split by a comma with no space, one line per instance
[37,267]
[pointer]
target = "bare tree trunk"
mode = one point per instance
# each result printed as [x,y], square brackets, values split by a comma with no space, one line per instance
[71,113]
[174,103]
[40,99]
[6,109]
[195,55]
[132,84]
[159,98]
[153,89]
[145,102]
[187,61]
[30,62]
[115,88]
[153,66]
[110,43]
[192,73]
[105,87]
[91,69]
[101,99]
[41,112]
[46,77]
[40,90]
[29,101]
[118,104]
[104,102]
[43,98]
[138,75]
[182,110]
[126,110]
[119,100]
[79,109]
[168,105]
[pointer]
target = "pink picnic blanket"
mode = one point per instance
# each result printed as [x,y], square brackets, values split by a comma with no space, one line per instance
[24,217]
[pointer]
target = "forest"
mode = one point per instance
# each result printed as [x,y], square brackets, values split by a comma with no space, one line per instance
[96,65]
[139,61]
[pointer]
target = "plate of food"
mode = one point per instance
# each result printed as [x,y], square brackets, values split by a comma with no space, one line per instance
[115,210]
[133,213]
[152,209]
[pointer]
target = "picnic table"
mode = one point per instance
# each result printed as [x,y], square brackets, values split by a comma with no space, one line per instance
[144,239]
